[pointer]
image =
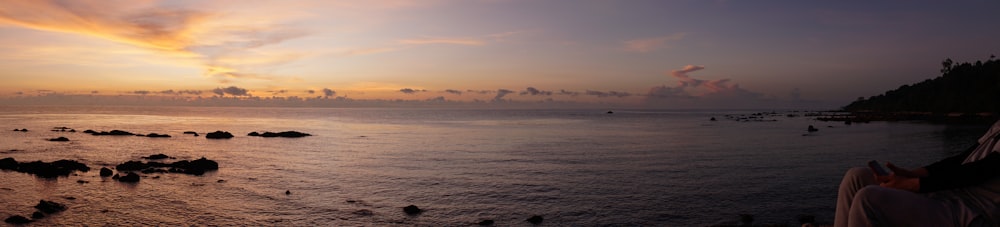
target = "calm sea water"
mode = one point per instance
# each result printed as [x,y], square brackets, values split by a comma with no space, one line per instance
[573,167]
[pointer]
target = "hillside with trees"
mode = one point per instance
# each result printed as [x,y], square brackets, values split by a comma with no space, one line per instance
[962,88]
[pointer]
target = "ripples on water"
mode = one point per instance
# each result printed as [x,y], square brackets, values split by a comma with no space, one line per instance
[573,167]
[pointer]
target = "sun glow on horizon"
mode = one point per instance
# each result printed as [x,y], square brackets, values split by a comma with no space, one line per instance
[476,51]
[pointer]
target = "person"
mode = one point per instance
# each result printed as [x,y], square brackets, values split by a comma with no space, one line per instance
[962,190]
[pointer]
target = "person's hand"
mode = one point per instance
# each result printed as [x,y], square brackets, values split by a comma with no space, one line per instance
[900,182]
[919,172]
[900,171]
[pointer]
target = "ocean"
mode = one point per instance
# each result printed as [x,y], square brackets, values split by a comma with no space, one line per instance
[573,167]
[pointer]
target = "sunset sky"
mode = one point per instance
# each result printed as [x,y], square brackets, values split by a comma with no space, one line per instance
[659,53]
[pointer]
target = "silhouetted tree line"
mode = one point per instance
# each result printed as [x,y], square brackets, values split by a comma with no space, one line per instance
[965,87]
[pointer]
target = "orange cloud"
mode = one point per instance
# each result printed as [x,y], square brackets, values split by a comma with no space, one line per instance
[455,41]
[179,32]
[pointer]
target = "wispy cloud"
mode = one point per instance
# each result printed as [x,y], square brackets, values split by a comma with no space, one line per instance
[411,90]
[644,45]
[453,41]
[176,31]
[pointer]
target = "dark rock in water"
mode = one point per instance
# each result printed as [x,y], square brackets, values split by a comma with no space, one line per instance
[191,133]
[219,135]
[412,210]
[363,212]
[196,167]
[536,219]
[747,219]
[712,119]
[288,192]
[806,219]
[812,129]
[131,166]
[285,134]
[155,135]
[205,164]
[37,215]
[60,139]
[49,207]
[17,219]
[45,169]
[156,156]
[111,133]
[82,181]
[486,222]
[21,130]
[88,131]
[130,178]
[8,164]
[116,177]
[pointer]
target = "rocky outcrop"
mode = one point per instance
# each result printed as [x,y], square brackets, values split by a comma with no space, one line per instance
[535,219]
[17,220]
[105,172]
[44,169]
[111,133]
[156,135]
[412,210]
[49,207]
[219,135]
[194,167]
[60,139]
[129,178]
[285,134]
[156,157]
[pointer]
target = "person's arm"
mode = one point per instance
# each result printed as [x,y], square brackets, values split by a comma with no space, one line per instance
[962,175]
[950,162]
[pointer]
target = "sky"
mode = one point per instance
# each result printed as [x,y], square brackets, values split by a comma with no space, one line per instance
[630,53]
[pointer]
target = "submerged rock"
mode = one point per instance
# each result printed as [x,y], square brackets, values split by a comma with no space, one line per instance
[219,135]
[37,215]
[285,134]
[130,178]
[49,207]
[60,139]
[535,219]
[8,164]
[191,133]
[412,210]
[111,133]
[155,135]
[363,212]
[156,157]
[195,167]
[44,169]
[486,222]
[17,219]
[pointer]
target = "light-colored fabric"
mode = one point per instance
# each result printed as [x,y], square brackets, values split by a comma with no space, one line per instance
[854,180]
[987,144]
[861,202]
